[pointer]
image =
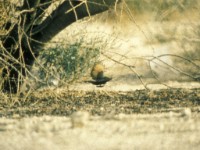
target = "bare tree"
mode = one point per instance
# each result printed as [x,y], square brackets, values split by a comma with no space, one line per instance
[26,36]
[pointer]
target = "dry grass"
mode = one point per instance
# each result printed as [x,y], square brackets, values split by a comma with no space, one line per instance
[4,17]
[65,102]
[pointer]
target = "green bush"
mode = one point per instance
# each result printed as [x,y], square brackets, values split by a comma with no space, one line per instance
[67,63]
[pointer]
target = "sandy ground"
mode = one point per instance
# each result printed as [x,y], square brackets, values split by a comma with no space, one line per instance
[171,130]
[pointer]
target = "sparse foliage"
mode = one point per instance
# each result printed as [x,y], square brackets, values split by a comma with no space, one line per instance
[31,26]
[66,63]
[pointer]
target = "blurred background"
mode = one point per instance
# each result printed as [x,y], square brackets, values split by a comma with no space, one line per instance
[138,41]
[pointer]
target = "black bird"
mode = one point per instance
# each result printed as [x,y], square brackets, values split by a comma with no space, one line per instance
[97,74]
[100,82]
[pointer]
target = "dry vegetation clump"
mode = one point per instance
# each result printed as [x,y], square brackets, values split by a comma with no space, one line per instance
[65,102]
[4,17]
[8,18]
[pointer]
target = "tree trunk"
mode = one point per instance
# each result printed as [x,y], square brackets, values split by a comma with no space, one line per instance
[26,38]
